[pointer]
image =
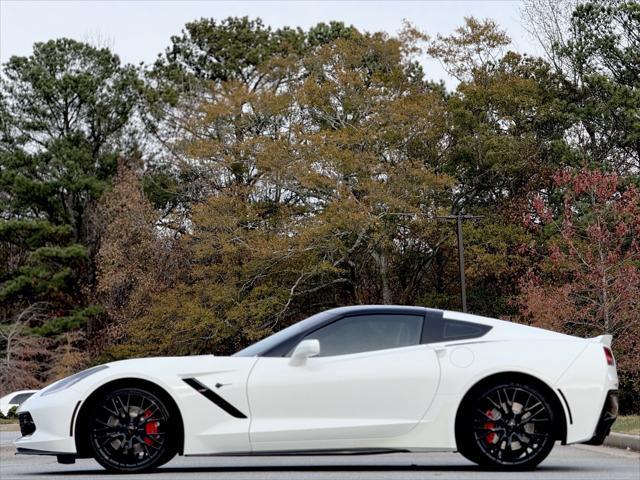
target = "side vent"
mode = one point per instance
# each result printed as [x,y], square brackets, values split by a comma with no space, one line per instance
[214,397]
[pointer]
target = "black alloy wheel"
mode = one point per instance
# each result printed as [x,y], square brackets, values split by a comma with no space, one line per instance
[508,425]
[131,430]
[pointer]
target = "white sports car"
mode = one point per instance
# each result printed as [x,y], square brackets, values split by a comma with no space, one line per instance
[14,399]
[355,379]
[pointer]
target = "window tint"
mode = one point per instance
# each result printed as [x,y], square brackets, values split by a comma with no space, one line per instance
[457,330]
[20,398]
[365,333]
[438,329]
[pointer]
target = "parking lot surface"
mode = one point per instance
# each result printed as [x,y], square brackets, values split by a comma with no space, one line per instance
[564,463]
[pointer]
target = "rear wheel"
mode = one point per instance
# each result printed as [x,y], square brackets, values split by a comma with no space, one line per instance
[509,425]
[131,430]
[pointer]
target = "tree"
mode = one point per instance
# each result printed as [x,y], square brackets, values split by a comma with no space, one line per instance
[602,93]
[236,49]
[588,279]
[64,112]
[135,258]
[207,54]
[473,48]
[549,22]
[24,361]
[505,139]
[322,193]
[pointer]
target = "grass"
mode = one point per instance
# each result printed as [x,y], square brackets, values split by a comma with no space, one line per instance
[628,424]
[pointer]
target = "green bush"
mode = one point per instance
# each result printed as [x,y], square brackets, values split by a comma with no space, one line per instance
[629,394]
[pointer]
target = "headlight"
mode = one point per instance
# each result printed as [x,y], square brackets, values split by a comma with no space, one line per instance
[73,379]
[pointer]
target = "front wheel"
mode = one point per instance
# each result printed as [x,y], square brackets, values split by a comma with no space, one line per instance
[131,430]
[506,425]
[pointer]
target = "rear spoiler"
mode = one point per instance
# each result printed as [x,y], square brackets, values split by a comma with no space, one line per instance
[603,339]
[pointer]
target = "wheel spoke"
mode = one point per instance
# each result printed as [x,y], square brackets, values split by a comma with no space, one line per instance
[538,412]
[108,440]
[124,410]
[485,415]
[151,445]
[506,396]
[114,413]
[532,407]
[494,403]
[104,423]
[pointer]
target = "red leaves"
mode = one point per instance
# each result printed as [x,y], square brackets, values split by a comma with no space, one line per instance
[600,184]
[541,209]
[555,255]
[587,264]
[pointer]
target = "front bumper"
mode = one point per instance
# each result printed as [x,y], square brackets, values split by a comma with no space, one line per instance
[46,424]
[607,417]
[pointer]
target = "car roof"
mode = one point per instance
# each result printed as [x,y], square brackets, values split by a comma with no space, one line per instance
[377,309]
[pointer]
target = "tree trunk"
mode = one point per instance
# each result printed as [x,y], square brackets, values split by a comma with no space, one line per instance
[381,260]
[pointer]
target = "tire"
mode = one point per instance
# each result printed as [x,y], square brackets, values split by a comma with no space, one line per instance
[506,425]
[131,430]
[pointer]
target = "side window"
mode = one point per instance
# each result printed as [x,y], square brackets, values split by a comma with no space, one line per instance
[364,333]
[439,329]
[458,330]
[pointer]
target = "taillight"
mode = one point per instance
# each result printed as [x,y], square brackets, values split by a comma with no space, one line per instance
[609,356]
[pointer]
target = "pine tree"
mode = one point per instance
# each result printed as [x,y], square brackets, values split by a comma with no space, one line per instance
[64,112]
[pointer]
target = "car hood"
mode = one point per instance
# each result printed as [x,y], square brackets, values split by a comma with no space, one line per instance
[181,366]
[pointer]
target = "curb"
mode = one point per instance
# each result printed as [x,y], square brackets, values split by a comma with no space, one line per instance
[624,441]
[9,427]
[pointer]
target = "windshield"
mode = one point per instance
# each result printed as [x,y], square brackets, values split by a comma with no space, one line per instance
[266,344]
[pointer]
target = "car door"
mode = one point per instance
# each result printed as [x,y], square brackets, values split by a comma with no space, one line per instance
[213,401]
[372,379]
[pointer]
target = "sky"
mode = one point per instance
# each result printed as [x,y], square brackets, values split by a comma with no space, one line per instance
[138,30]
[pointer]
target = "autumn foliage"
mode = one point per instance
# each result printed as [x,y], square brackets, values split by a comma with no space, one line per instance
[253,176]
[586,281]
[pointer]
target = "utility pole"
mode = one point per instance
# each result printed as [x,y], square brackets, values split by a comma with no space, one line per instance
[463,284]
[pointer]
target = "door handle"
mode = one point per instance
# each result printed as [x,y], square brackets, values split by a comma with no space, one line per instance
[218,385]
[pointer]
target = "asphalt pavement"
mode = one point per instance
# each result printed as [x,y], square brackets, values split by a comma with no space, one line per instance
[564,463]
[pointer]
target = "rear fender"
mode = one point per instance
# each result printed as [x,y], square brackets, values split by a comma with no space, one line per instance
[585,385]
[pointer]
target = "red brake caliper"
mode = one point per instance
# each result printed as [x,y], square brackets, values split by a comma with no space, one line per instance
[491,436]
[150,428]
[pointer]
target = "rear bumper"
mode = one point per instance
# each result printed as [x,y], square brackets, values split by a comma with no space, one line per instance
[607,417]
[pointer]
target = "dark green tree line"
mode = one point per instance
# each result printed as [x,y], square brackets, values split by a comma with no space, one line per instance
[64,116]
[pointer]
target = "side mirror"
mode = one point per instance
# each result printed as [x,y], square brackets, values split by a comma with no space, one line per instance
[304,350]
